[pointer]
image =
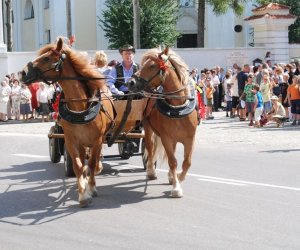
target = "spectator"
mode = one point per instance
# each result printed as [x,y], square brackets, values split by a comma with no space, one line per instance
[42,97]
[277,113]
[235,94]
[293,93]
[216,82]
[209,97]
[249,98]
[242,78]
[15,98]
[121,73]
[284,98]
[25,100]
[258,106]
[265,89]
[5,92]
[33,88]
[228,100]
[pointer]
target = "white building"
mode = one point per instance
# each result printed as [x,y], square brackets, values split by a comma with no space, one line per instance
[38,22]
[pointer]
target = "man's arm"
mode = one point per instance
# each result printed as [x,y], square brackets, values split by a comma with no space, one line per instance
[111,82]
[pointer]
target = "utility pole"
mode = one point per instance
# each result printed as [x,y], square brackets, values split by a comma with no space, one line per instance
[69,19]
[9,25]
[136,24]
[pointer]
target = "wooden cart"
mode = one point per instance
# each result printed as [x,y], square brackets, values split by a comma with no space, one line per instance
[130,139]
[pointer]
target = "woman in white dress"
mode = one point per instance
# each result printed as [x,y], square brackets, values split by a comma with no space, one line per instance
[42,97]
[5,92]
[15,99]
[25,102]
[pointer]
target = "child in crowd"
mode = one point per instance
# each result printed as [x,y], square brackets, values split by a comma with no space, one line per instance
[265,89]
[258,105]
[228,99]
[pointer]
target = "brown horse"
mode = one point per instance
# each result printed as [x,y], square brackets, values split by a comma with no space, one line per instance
[171,119]
[80,82]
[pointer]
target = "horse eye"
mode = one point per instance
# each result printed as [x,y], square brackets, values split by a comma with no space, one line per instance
[46,59]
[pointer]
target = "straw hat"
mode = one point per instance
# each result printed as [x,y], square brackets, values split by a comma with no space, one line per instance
[127,47]
[274,97]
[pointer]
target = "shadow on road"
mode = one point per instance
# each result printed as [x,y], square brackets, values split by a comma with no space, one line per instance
[38,193]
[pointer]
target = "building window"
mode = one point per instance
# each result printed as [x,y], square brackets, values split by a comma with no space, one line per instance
[46,4]
[47,38]
[187,41]
[29,10]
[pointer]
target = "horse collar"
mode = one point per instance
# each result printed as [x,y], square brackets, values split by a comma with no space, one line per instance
[177,112]
[79,117]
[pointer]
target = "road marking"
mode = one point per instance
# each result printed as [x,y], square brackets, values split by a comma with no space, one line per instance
[234,181]
[22,135]
[30,156]
[223,182]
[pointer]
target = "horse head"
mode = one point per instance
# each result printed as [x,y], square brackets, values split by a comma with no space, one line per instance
[154,68]
[47,67]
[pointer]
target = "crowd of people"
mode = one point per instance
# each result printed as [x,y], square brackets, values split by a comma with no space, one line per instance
[21,102]
[260,94]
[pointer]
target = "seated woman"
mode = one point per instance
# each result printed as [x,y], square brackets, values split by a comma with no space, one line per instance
[277,113]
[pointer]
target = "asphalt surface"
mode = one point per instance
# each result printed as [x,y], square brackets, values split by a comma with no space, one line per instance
[242,192]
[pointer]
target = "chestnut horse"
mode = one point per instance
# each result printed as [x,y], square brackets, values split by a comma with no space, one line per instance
[80,82]
[167,70]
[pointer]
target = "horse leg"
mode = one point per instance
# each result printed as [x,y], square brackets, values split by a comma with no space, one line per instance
[186,164]
[149,153]
[172,161]
[78,155]
[95,166]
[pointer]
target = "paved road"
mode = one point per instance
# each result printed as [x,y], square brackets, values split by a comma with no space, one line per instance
[242,192]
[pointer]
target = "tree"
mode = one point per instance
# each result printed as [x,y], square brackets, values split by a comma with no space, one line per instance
[157,22]
[294,29]
[219,7]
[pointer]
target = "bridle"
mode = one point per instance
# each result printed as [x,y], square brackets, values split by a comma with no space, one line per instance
[163,67]
[58,67]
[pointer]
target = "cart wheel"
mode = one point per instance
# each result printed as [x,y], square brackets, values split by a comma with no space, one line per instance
[68,164]
[145,159]
[54,150]
[122,152]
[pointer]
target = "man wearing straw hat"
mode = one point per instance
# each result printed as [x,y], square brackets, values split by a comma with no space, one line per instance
[122,72]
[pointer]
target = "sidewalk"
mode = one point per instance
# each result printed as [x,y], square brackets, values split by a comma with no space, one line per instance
[222,131]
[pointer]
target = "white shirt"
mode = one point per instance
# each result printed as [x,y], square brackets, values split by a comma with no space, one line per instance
[42,96]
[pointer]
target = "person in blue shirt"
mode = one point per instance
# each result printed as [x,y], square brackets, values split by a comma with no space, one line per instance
[258,106]
[122,72]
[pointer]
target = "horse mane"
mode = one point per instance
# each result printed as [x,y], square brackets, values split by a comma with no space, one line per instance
[180,66]
[81,66]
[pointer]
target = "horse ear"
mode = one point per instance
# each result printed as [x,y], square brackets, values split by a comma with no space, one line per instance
[166,51]
[59,45]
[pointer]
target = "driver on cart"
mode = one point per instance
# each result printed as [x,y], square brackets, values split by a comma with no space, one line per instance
[122,72]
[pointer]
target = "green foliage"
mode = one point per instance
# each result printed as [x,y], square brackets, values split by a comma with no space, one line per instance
[294,29]
[222,6]
[158,22]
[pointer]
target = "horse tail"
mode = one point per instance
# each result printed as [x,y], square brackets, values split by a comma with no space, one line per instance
[159,152]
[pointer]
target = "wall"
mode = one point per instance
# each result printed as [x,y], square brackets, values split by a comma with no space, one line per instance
[195,58]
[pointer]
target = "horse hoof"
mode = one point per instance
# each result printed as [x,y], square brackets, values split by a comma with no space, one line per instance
[152,177]
[94,193]
[85,203]
[176,193]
